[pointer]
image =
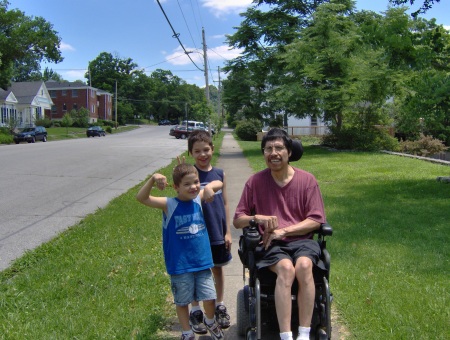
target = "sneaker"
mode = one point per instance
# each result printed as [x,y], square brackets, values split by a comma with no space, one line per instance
[222,317]
[196,322]
[214,330]
[187,336]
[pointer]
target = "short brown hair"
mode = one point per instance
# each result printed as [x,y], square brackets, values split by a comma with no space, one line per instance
[199,136]
[182,170]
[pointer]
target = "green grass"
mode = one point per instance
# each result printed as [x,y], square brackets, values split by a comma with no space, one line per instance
[103,278]
[60,133]
[390,253]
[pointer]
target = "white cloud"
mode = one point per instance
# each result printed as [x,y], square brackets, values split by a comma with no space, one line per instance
[447,27]
[73,75]
[66,47]
[219,53]
[219,7]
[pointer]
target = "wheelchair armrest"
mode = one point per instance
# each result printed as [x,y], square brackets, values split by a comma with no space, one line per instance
[324,230]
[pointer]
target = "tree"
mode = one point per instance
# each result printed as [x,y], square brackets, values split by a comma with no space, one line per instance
[66,122]
[427,4]
[24,40]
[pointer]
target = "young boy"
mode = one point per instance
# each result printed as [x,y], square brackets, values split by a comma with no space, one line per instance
[187,252]
[217,220]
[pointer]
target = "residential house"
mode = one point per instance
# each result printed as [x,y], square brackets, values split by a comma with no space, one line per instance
[25,102]
[67,96]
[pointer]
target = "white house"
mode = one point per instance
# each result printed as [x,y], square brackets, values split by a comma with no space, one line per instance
[26,102]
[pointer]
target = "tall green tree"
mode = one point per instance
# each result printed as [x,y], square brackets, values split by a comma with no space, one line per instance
[424,7]
[24,40]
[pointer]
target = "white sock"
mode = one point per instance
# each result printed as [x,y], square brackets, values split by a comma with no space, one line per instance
[303,333]
[209,322]
[195,308]
[219,303]
[286,336]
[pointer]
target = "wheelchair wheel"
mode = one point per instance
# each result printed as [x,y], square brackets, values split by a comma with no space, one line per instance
[242,317]
[251,335]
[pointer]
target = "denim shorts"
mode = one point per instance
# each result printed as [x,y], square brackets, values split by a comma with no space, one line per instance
[187,287]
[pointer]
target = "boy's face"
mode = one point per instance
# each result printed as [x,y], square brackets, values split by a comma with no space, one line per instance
[202,153]
[189,187]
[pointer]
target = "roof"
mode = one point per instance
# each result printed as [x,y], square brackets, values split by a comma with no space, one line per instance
[58,85]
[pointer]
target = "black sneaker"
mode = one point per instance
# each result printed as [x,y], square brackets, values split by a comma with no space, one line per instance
[187,337]
[222,317]
[214,330]
[196,322]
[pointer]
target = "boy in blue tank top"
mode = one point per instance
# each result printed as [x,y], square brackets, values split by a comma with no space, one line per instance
[201,148]
[187,252]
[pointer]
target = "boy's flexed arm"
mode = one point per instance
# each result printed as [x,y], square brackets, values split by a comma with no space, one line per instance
[207,193]
[143,196]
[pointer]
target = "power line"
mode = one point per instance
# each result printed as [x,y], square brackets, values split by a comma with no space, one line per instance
[177,36]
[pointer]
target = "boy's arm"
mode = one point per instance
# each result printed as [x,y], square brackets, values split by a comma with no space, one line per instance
[207,193]
[144,196]
[228,238]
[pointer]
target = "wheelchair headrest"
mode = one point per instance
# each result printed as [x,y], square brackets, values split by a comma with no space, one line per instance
[297,151]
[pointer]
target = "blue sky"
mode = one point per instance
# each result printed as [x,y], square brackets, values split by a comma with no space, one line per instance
[138,29]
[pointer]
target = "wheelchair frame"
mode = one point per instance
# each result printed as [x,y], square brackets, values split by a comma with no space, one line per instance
[253,299]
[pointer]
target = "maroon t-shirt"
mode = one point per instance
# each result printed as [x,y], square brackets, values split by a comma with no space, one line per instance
[298,200]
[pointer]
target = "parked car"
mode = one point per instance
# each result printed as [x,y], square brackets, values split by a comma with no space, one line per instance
[31,135]
[95,131]
[180,131]
[164,122]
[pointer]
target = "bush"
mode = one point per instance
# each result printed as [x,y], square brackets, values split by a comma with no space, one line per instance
[247,130]
[361,140]
[425,145]
[108,129]
[6,138]
[45,122]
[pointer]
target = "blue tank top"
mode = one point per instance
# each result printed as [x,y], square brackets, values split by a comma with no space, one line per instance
[185,237]
[214,212]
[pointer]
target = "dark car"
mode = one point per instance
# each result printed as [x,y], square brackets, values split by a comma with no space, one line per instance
[95,131]
[31,135]
[164,122]
[180,131]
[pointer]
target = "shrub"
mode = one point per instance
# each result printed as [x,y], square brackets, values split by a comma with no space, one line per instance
[108,129]
[6,138]
[425,145]
[362,140]
[45,122]
[247,130]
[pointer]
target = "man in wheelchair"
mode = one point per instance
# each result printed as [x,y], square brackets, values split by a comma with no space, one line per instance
[286,205]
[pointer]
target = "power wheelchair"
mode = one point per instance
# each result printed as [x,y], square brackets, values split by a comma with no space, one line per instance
[256,299]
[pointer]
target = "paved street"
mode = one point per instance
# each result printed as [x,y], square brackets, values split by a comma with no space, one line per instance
[47,187]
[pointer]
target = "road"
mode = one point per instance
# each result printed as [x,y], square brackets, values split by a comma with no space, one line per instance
[47,187]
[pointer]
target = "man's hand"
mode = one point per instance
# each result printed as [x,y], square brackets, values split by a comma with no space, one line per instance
[270,224]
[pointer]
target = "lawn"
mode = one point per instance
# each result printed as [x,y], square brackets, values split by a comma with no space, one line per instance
[58,133]
[105,278]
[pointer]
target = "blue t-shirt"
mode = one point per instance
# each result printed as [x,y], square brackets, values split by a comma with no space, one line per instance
[214,212]
[185,237]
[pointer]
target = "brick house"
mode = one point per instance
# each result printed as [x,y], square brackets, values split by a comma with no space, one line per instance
[75,95]
[25,102]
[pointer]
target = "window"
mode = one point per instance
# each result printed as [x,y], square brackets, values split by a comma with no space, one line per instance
[75,106]
[64,93]
[52,93]
[74,93]
[313,120]
[54,108]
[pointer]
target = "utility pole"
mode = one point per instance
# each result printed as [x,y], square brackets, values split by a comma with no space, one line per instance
[115,106]
[219,104]
[205,62]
